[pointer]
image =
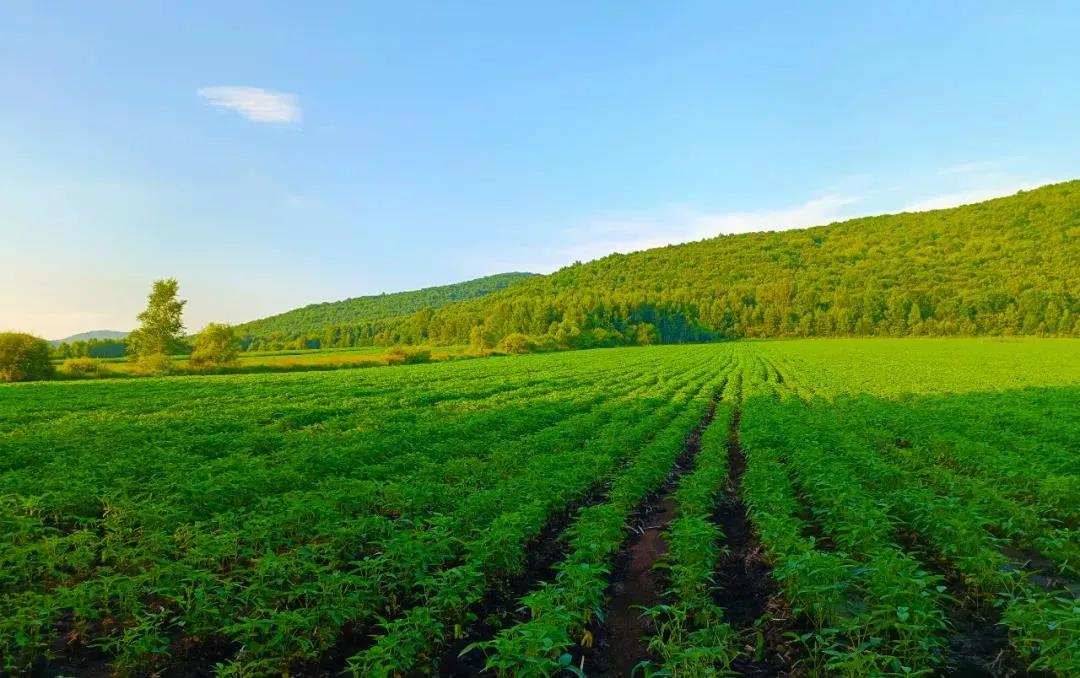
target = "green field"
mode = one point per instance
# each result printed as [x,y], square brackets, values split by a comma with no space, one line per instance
[295,360]
[830,506]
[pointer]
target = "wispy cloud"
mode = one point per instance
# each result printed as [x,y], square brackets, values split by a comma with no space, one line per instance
[599,237]
[255,103]
[958,198]
[684,225]
[593,238]
[980,167]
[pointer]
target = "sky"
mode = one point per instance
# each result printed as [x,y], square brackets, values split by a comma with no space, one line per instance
[274,154]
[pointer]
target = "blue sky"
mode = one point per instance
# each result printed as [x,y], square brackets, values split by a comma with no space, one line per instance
[270,155]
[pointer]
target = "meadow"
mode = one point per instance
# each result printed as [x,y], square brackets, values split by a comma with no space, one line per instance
[829,506]
[253,362]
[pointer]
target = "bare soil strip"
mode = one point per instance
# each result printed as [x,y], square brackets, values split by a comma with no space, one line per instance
[1041,571]
[500,606]
[620,643]
[751,600]
[978,643]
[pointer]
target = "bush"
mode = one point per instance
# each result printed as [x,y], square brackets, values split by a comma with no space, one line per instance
[215,345]
[516,343]
[82,366]
[24,357]
[397,355]
[154,364]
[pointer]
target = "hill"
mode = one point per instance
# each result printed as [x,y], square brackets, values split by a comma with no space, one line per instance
[1004,266]
[341,323]
[86,336]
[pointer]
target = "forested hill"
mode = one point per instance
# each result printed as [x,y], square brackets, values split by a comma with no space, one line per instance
[1005,266]
[335,323]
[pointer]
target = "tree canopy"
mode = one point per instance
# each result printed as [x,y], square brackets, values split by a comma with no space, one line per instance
[215,345]
[161,324]
[339,323]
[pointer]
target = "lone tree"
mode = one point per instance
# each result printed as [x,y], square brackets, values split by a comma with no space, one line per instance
[161,328]
[215,345]
[24,357]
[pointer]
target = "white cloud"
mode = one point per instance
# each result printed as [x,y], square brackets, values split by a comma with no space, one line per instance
[604,236]
[596,238]
[255,103]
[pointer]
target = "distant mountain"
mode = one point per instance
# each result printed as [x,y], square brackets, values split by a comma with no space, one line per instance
[315,318]
[93,334]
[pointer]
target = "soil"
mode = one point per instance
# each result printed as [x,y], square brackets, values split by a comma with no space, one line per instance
[500,606]
[1041,571]
[978,644]
[745,588]
[620,643]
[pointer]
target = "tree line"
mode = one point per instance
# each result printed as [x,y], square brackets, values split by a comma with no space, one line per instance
[151,347]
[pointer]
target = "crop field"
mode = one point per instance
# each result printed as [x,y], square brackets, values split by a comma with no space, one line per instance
[816,507]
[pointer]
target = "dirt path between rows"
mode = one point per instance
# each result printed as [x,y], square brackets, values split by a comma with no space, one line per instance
[751,599]
[621,642]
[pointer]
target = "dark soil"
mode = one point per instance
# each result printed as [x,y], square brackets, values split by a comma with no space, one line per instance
[745,588]
[1041,571]
[620,643]
[500,606]
[637,588]
[978,643]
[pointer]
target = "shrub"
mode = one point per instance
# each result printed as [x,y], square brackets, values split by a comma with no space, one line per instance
[82,366]
[516,343]
[24,357]
[397,355]
[153,365]
[215,345]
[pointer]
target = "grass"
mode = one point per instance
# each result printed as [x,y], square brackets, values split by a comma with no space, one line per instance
[276,361]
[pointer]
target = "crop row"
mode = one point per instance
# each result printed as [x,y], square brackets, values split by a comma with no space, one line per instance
[562,610]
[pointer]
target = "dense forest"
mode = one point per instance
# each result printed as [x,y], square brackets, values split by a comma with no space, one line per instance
[90,348]
[350,322]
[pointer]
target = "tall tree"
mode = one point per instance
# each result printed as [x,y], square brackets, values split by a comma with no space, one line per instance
[161,325]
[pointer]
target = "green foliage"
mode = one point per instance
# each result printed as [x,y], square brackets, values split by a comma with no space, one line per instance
[159,333]
[259,523]
[215,345]
[357,321]
[692,638]
[91,348]
[400,355]
[516,343]
[23,357]
[82,366]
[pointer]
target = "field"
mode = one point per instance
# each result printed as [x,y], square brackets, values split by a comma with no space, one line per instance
[842,507]
[284,361]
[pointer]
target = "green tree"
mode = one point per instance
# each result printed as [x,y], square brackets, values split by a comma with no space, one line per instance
[215,345]
[161,327]
[645,334]
[24,357]
[516,343]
